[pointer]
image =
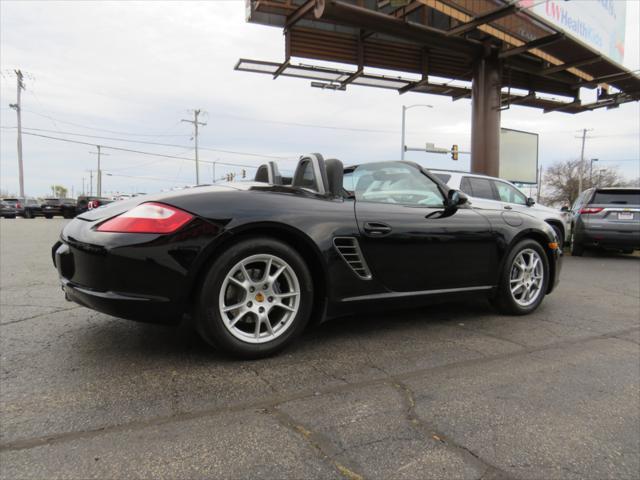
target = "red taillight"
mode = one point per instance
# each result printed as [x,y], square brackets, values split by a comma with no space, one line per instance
[147,218]
[588,210]
[18,205]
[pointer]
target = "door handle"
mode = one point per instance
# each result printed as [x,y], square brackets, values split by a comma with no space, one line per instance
[508,207]
[377,228]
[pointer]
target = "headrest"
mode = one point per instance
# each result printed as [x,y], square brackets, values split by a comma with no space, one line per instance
[335,174]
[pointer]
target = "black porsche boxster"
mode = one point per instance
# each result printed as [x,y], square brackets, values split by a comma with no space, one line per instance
[251,264]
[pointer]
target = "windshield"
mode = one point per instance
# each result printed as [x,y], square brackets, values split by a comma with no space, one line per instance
[393,182]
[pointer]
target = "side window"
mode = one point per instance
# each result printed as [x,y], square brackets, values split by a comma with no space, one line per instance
[481,188]
[465,186]
[510,194]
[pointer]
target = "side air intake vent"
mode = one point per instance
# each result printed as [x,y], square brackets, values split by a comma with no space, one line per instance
[349,250]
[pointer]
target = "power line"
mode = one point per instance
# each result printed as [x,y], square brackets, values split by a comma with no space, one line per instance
[144,142]
[122,149]
[106,130]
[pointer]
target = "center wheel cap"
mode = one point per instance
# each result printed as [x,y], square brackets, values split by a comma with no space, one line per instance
[259,297]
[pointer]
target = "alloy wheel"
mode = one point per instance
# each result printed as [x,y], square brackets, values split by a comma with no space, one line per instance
[526,277]
[259,298]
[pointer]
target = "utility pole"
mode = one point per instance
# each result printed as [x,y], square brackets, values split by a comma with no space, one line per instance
[91,183]
[83,190]
[17,107]
[99,172]
[196,124]
[581,168]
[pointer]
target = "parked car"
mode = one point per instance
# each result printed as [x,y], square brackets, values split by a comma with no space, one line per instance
[64,207]
[494,193]
[85,203]
[26,207]
[607,218]
[253,263]
[7,210]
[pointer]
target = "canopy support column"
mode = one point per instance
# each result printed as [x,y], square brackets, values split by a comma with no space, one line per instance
[485,117]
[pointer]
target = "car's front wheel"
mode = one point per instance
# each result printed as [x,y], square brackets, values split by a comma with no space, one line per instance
[255,299]
[524,279]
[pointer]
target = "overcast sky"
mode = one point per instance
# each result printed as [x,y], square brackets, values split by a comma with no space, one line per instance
[134,70]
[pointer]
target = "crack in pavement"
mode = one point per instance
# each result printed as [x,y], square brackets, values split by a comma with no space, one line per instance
[272,402]
[320,444]
[11,322]
[429,430]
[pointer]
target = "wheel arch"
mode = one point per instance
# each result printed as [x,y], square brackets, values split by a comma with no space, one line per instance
[542,239]
[293,237]
[557,223]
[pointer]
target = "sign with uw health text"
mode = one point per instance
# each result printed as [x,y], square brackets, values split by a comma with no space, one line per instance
[600,24]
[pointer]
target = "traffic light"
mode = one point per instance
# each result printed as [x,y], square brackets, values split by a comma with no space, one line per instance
[244,173]
[454,152]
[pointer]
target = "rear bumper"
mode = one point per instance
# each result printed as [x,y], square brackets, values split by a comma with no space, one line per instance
[123,305]
[607,238]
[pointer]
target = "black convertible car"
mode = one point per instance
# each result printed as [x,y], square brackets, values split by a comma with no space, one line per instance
[251,264]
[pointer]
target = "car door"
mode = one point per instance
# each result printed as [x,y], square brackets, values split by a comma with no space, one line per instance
[407,242]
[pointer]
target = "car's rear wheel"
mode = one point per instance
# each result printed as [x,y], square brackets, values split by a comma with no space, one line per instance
[48,216]
[255,299]
[524,279]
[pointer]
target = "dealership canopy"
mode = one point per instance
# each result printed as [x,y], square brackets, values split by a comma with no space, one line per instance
[535,53]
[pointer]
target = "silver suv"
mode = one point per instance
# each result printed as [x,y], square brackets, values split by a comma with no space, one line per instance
[497,194]
[607,218]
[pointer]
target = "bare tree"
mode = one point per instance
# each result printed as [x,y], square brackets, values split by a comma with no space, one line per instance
[59,191]
[562,178]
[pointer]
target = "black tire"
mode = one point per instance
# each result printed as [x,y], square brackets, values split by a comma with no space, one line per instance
[208,320]
[577,249]
[559,234]
[28,214]
[48,216]
[503,299]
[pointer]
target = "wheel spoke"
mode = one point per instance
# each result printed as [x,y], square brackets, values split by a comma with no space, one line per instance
[516,288]
[287,294]
[267,322]
[245,274]
[267,270]
[278,272]
[238,282]
[256,333]
[233,307]
[238,317]
[286,307]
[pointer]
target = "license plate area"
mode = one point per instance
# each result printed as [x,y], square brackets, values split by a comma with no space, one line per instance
[625,216]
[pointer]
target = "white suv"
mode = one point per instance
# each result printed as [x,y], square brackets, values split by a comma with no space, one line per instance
[497,194]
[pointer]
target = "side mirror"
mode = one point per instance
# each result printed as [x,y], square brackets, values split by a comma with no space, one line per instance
[530,202]
[564,208]
[455,198]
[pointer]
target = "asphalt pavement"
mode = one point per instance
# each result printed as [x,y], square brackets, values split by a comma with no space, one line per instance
[450,391]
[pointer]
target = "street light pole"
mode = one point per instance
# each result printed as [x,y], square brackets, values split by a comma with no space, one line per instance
[404,114]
